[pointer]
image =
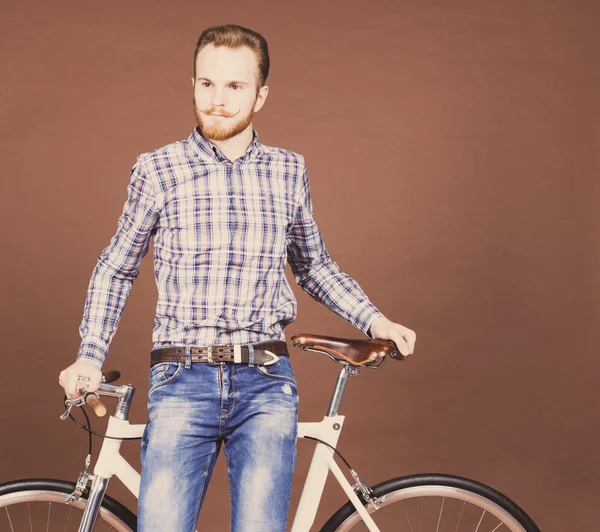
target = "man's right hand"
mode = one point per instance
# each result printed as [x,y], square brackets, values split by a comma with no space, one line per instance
[86,368]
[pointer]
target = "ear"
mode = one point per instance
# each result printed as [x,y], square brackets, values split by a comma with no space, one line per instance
[262,96]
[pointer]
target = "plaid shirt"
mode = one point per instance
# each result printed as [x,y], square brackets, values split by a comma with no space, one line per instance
[222,232]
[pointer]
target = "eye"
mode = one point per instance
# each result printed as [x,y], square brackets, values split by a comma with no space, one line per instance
[205,83]
[236,85]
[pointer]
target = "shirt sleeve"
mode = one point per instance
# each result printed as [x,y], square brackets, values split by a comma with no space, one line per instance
[318,274]
[118,267]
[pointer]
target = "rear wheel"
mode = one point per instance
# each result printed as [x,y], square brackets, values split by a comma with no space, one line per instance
[39,504]
[436,503]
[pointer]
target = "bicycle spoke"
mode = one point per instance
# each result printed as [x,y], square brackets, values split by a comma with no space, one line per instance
[29,514]
[440,516]
[499,525]
[407,518]
[48,521]
[460,516]
[479,524]
[9,520]
[68,517]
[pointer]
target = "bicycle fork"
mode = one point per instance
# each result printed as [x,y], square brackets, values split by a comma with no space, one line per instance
[92,508]
[94,499]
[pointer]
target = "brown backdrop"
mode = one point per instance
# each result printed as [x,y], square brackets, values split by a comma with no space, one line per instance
[452,152]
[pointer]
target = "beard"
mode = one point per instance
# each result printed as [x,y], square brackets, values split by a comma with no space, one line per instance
[224,127]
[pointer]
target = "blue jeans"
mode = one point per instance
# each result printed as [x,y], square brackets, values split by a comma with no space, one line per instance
[192,409]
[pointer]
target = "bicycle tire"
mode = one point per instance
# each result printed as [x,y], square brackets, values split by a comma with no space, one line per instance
[463,489]
[55,491]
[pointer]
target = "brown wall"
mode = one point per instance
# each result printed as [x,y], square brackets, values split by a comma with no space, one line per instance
[452,152]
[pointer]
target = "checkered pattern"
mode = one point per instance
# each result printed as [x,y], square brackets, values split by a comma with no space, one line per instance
[221,232]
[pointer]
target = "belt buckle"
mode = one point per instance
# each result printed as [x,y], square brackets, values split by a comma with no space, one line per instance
[210,359]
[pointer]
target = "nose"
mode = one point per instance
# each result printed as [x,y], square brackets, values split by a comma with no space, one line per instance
[218,98]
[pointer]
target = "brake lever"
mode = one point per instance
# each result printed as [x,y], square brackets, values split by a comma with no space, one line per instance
[70,404]
[78,401]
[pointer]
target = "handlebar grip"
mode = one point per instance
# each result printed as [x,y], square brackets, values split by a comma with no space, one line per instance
[111,375]
[95,404]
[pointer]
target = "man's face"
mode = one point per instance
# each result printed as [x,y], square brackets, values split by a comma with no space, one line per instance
[226,81]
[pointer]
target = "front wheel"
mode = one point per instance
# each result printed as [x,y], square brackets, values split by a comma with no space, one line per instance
[435,502]
[39,504]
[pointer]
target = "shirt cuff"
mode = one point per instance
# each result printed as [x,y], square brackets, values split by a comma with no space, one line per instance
[91,351]
[365,318]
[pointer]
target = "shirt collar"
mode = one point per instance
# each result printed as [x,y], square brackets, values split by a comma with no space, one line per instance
[206,149]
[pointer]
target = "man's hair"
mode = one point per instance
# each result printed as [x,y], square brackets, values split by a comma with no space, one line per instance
[234,36]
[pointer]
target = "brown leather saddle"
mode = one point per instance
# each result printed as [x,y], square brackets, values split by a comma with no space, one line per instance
[354,351]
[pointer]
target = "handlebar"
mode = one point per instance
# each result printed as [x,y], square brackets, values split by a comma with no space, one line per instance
[92,399]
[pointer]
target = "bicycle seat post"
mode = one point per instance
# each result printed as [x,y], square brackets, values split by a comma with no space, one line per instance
[340,386]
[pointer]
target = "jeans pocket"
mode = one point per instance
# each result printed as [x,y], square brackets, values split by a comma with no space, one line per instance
[281,370]
[163,373]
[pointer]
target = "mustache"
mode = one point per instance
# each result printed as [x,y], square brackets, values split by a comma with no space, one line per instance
[212,110]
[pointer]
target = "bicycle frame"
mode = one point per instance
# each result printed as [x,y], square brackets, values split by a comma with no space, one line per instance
[111,463]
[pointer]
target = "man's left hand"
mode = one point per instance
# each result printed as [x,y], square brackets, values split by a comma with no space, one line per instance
[403,337]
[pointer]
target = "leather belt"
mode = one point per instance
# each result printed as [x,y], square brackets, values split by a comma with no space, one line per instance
[265,353]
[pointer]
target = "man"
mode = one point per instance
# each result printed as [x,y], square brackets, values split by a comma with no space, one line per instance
[225,213]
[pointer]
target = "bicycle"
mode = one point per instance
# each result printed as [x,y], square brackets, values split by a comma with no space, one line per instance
[425,502]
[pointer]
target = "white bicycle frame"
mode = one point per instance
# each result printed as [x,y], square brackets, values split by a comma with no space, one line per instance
[111,463]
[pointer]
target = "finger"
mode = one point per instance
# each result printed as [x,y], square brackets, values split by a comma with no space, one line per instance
[410,338]
[411,343]
[62,378]
[403,346]
[72,388]
[375,356]
[82,386]
[67,386]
